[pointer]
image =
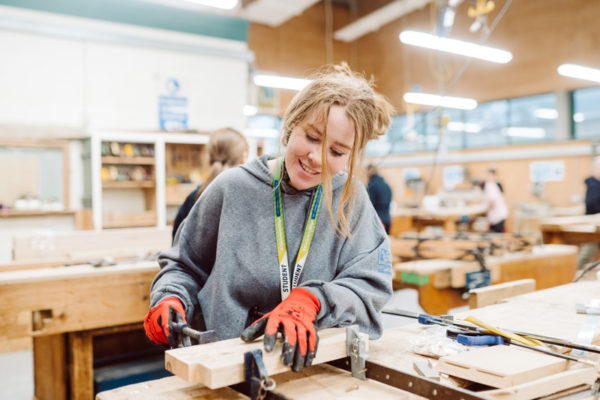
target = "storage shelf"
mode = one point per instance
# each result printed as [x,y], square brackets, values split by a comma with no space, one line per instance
[128,184]
[128,160]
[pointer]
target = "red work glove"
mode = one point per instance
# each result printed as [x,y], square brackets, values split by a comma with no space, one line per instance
[295,318]
[156,322]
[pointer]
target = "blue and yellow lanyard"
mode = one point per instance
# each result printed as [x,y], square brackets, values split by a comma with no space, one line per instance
[286,283]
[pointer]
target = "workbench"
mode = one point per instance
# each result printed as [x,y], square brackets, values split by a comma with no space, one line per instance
[64,309]
[549,312]
[571,230]
[449,219]
[441,283]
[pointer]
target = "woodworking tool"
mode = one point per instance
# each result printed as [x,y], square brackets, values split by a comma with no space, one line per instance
[448,321]
[181,333]
[483,339]
[588,328]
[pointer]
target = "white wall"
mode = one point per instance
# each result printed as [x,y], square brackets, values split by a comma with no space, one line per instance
[63,76]
[90,74]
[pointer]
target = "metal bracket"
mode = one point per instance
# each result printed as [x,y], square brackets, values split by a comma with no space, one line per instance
[356,350]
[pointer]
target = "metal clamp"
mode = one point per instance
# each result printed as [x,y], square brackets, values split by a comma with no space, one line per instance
[256,375]
[356,350]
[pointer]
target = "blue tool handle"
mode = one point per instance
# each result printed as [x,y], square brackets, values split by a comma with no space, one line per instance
[426,319]
[479,340]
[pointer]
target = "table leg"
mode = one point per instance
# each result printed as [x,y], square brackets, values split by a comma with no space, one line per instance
[50,367]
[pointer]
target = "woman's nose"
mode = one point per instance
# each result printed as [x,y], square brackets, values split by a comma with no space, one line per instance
[314,155]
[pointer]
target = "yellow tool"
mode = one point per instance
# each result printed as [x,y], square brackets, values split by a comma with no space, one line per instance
[482,7]
[497,331]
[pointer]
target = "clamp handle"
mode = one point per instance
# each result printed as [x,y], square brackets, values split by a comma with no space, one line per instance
[479,340]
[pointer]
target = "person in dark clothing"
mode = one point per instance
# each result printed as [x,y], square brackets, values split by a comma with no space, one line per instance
[380,195]
[592,206]
[592,193]
[226,148]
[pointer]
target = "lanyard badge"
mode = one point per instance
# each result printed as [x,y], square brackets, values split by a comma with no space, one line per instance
[287,283]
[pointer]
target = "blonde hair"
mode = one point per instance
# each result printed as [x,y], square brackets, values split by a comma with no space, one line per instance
[227,147]
[371,113]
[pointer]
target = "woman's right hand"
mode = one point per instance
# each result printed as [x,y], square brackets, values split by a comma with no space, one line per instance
[156,322]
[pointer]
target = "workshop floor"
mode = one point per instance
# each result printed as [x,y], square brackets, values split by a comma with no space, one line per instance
[16,369]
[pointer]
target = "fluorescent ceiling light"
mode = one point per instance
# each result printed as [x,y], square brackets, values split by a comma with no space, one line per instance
[545,113]
[455,46]
[579,72]
[526,132]
[440,101]
[578,117]
[250,110]
[463,127]
[281,82]
[223,4]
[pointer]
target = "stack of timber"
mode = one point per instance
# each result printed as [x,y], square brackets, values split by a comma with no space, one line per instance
[440,283]
[458,246]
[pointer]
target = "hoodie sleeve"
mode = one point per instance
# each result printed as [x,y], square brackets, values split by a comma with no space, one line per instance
[185,267]
[363,283]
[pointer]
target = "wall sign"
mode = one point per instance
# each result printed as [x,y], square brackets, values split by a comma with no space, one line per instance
[173,110]
[547,171]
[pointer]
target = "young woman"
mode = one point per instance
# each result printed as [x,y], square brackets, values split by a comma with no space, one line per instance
[232,251]
[227,148]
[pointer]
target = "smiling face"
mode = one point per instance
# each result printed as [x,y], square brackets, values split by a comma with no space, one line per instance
[303,156]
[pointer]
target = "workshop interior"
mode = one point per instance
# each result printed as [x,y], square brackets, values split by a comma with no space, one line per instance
[299,199]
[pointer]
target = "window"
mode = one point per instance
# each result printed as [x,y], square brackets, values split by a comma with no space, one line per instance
[586,113]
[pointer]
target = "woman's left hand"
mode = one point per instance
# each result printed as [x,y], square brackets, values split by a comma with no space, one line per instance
[295,318]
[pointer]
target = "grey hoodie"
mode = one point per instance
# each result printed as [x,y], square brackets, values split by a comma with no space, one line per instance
[224,259]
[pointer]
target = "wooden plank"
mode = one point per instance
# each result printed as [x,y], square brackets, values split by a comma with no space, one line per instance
[220,364]
[500,366]
[319,382]
[97,243]
[171,388]
[81,369]
[546,385]
[50,367]
[493,294]
[323,382]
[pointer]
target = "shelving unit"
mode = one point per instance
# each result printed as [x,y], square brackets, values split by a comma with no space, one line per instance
[139,176]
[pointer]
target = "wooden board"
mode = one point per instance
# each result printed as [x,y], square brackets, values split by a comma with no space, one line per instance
[221,364]
[171,388]
[91,245]
[500,366]
[493,294]
[545,386]
[319,382]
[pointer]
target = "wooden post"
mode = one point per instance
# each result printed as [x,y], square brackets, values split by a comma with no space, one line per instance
[81,365]
[50,367]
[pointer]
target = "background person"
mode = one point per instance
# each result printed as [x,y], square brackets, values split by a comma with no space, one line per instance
[227,148]
[497,211]
[592,206]
[380,195]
